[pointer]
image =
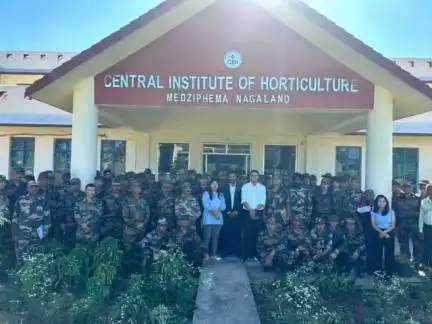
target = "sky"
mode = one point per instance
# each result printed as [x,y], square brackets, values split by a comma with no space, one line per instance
[395,28]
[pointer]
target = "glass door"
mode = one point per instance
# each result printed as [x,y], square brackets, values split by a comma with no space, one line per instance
[218,157]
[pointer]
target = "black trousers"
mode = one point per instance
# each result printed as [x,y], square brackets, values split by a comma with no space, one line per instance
[427,245]
[251,229]
[388,247]
[230,241]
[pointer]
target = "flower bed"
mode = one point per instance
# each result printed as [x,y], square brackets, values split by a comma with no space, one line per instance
[86,286]
[328,298]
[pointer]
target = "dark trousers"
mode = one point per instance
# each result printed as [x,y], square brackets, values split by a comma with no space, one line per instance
[230,236]
[251,229]
[427,245]
[404,233]
[388,247]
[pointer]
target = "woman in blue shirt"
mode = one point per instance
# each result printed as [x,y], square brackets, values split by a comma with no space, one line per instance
[214,204]
[383,222]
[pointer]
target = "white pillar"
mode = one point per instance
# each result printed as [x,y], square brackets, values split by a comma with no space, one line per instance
[379,144]
[84,132]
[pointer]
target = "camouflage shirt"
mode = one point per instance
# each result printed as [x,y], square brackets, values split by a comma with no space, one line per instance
[4,207]
[323,205]
[112,223]
[298,239]
[301,204]
[407,210]
[88,217]
[337,198]
[350,202]
[188,240]
[321,241]
[165,209]
[154,242]
[68,210]
[276,206]
[29,215]
[136,214]
[355,243]
[268,242]
[187,208]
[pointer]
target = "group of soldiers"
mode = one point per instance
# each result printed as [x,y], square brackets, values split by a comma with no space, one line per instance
[302,221]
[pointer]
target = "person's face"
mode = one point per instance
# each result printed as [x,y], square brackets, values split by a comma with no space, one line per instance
[344,184]
[43,183]
[167,188]
[187,190]
[204,183]
[3,185]
[98,186]
[350,226]
[333,224]
[335,184]
[395,187]
[429,190]
[297,180]
[136,188]
[182,176]
[313,181]
[320,227]
[354,184]
[32,190]
[162,228]
[306,181]
[214,186]
[254,177]
[422,189]
[116,188]
[90,192]
[232,178]
[382,203]
[76,187]
[184,225]
[162,177]
[277,182]
[271,227]
[16,175]
[325,186]
[408,190]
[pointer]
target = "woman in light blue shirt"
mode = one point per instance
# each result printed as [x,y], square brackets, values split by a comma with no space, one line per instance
[214,204]
[383,222]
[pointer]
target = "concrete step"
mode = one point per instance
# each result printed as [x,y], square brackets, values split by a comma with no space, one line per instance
[224,295]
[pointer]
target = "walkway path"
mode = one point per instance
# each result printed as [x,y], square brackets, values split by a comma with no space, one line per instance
[225,295]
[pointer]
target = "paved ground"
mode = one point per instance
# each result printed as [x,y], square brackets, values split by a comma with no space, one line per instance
[225,295]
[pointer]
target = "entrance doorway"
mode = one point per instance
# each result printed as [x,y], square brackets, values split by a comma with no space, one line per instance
[218,157]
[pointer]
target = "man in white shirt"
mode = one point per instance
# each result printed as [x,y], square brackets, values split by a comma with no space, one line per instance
[253,199]
[425,226]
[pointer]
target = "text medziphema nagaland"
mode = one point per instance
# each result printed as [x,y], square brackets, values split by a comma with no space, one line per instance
[214,89]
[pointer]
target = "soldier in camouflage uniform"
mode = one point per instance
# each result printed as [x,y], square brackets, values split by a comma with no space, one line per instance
[407,210]
[155,241]
[277,204]
[7,249]
[299,202]
[397,191]
[354,252]
[31,222]
[50,195]
[88,217]
[99,189]
[337,196]
[17,186]
[322,201]
[188,241]
[66,214]
[136,214]
[165,205]
[187,206]
[272,247]
[298,241]
[351,200]
[321,242]
[112,223]
[338,242]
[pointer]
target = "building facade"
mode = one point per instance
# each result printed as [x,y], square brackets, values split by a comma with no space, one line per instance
[198,84]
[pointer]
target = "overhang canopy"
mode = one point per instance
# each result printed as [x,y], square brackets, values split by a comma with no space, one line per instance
[412,96]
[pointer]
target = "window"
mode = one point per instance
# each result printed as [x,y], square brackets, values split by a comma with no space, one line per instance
[280,157]
[173,155]
[62,155]
[406,164]
[22,153]
[113,156]
[348,161]
[220,157]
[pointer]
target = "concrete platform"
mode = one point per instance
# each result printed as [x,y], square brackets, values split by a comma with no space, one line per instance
[225,296]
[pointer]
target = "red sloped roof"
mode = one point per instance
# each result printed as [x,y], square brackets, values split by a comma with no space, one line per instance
[299,6]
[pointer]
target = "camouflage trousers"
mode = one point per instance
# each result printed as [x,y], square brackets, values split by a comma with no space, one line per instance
[406,232]
[7,248]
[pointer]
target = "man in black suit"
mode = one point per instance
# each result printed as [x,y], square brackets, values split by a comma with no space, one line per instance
[230,237]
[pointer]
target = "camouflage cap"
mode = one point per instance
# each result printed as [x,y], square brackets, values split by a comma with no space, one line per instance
[3,178]
[334,218]
[162,221]
[75,181]
[327,175]
[319,220]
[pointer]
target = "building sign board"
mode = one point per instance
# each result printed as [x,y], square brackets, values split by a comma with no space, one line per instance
[215,61]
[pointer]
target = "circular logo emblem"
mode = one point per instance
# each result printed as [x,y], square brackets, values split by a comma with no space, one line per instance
[233,59]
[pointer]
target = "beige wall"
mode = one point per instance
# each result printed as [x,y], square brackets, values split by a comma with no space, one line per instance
[315,154]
